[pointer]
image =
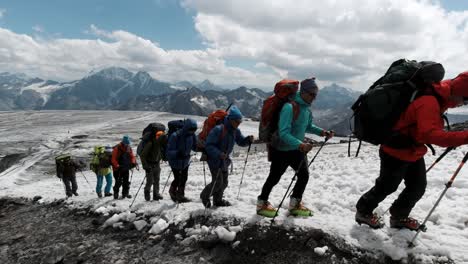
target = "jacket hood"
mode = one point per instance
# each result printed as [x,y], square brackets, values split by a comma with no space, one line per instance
[457,86]
[189,124]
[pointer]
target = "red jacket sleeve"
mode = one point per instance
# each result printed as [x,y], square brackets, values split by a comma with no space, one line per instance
[429,125]
[132,156]
[115,158]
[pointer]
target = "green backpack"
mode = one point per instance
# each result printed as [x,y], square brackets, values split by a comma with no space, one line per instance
[103,156]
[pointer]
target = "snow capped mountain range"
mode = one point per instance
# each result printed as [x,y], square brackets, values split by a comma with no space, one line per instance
[117,88]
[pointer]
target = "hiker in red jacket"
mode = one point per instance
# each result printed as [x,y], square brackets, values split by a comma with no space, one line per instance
[122,161]
[423,122]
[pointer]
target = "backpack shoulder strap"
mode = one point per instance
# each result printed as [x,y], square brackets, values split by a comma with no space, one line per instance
[296,110]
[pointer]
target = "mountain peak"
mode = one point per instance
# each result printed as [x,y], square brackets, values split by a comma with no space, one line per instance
[208,85]
[113,73]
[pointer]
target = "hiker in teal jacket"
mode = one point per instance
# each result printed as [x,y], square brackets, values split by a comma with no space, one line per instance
[289,149]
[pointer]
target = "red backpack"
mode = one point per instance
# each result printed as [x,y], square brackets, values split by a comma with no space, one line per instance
[284,92]
[214,119]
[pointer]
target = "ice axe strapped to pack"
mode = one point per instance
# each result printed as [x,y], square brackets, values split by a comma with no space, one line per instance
[376,112]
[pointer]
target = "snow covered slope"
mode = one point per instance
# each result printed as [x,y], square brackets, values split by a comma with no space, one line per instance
[336,182]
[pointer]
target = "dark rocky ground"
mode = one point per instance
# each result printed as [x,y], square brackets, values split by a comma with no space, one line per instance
[57,233]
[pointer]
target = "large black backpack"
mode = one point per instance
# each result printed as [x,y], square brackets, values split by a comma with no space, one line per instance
[61,162]
[174,126]
[377,111]
[148,133]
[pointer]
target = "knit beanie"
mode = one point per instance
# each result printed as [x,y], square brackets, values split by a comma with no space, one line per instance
[126,140]
[309,86]
[234,113]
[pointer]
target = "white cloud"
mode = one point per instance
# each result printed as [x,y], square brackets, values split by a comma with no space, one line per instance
[348,42]
[68,59]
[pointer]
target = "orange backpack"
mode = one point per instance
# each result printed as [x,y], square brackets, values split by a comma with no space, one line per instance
[214,119]
[284,92]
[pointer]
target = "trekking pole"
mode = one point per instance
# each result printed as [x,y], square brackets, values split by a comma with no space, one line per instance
[311,161]
[204,175]
[131,177]
[294,178]
[243,171]
[85,178]
[168,177]
[422,227]
[447,150]
[134,198]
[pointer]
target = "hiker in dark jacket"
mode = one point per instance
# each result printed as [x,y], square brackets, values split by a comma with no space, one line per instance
[150,157]
[122,161]
[179,146]
[219,145]
[291,150]
[422,121]
[67,173]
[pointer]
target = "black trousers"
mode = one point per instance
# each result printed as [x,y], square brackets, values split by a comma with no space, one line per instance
[121,179]
[392,172]
[180,178]
[70,184]
[280,161]
[219,183]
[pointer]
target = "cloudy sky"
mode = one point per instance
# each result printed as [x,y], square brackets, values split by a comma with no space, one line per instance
[231,43]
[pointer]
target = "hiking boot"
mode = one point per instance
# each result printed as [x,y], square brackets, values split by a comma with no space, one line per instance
[107,194]
[173,194]
[99,195]
[183,199]
[128,196]
[147,196]
[206,203]
[116,195]
[297,208]
[264,208]
[222,203]
[406,222]
[372,220]
[75,193]
[157,196]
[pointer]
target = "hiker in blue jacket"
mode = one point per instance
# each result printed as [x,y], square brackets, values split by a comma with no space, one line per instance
[219,145]
[179,146]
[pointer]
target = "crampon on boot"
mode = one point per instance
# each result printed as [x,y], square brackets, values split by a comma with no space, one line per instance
[407,222]
[297,208]
[372,220]
[264,208]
